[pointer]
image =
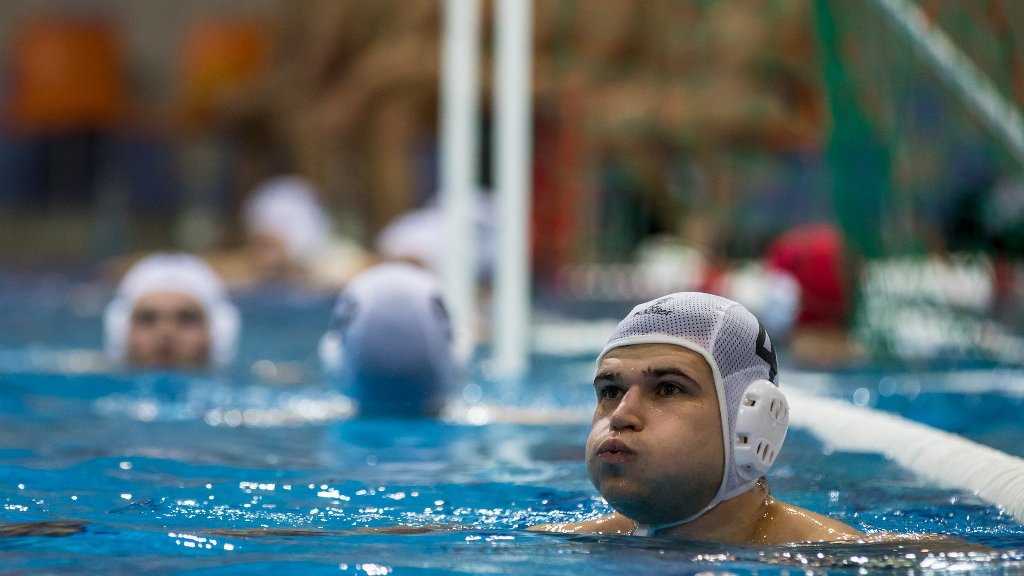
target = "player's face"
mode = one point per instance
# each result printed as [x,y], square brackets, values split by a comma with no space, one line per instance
[655,450]
[168,330]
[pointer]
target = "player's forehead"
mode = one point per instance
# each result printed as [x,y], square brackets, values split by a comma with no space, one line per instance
[168,300]
[652,358]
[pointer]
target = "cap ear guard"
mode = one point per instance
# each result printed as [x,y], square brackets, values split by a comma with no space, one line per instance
[224,323]
[331,351]
[115,329]
[761,425]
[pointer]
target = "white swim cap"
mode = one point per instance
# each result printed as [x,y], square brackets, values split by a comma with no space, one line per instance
[173,273]
[287,207]
[390,341]
[754,412]
[419,236]
[770,294]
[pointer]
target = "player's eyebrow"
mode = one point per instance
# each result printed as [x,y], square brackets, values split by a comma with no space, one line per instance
[657,372]
[669,371]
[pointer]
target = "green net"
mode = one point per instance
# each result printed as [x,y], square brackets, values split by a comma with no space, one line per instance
[924,104]
[924,151]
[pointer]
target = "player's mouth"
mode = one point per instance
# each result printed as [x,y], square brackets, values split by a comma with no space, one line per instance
[614,451]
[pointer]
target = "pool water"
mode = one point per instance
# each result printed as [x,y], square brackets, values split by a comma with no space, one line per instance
[263,470]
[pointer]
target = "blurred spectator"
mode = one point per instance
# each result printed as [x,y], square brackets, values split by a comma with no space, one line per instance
[771,294]
[641,108]
[221,60]
[289,238]
[352,101]
[644,106]
[171,311]
[66,97]
[286,227]
[419,237]
[91,122]
[815,255]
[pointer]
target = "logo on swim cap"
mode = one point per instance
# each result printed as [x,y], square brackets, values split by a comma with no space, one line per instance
[766,352]
[441,311]
[656,308]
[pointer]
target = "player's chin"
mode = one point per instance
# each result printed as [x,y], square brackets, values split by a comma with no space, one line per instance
[636,509]
[623,494]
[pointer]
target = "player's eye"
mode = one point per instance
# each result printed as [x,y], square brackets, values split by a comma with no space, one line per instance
[609,392]
[670,389]
[144,317]
[190,318]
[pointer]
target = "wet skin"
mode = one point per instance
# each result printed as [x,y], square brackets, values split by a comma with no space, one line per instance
[655,448]
[656,454]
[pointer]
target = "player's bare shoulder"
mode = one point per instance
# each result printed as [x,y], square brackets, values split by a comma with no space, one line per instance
[614,523]
[788,523]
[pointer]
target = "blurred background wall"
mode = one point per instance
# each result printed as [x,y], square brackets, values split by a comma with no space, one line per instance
[131,126]
[673,142]
[94,97]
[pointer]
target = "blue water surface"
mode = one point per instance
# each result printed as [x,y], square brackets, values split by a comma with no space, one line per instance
[263,470]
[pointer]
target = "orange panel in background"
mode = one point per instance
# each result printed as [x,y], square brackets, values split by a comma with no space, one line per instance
[220,60]
[67,74]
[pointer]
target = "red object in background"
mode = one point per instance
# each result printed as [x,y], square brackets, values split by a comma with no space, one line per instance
[221,59]
[67,75]
[713,279]
[815,255]
[557,189]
